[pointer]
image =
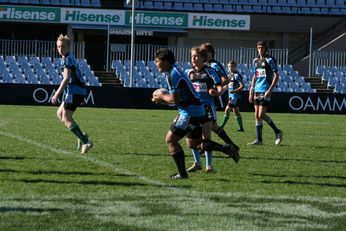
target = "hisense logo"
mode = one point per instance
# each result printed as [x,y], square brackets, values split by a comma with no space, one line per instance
[78,16]
[145,19]
[29,14]
[206,21]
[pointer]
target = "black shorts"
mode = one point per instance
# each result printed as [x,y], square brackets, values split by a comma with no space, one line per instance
[189,127]
[210,112]
[71,102]
[260,100]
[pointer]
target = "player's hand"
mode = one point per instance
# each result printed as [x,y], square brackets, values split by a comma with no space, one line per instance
[213,92]
[54,99]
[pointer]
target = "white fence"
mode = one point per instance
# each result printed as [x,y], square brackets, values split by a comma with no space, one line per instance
[328,59]
[182,54]
[36,48]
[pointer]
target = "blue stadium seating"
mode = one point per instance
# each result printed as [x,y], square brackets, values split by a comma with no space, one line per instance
[303,7]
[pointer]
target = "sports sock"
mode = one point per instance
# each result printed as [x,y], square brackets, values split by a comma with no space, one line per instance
[196,156]
[224,121]
[259,127]
[209,145]
[223,135]
[271,124]
[208,158]
[240,122]
[179,159]
[76,130]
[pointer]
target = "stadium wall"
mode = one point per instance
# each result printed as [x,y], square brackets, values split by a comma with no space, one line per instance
[140,98]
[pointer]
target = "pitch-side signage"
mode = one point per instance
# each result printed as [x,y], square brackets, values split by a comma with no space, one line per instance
[219,21]
[30,14]
[92,16]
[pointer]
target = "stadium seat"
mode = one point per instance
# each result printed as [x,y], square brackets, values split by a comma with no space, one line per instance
[198,7]
[65,2]
[304,10]
[95,3]
[291,3]
[6,77]
[282,2]
[148,5]
[178,6]
[22,59]
[34,60]
[338,88]
[55,2]
[167,5]
[85,3]
[340,3]
[26,2]
[228,8]
[3,1]
[188,6]
[301,3]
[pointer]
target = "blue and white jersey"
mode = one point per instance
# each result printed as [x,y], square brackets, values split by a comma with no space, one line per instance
[264,70]
[202,81]
[235,79]
[179,83]
[218,67]
[76,84]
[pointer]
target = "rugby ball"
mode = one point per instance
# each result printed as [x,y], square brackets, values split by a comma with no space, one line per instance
[160,91]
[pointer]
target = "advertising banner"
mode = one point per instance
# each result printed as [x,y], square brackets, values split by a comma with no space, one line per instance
[219,21]
[110,97]
[158,19]
[30,14]
[92,16]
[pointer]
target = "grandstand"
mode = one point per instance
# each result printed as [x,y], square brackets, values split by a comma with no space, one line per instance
[20,64]
[303,7]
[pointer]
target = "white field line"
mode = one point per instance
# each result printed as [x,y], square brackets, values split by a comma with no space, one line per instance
[100,163]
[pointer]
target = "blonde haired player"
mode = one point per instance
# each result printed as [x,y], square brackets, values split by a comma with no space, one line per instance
[75,92]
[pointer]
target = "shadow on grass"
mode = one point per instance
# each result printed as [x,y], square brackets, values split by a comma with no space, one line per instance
[293,159]
[26,210]
[12,157]
[299,176]
[303,183]
[43,172]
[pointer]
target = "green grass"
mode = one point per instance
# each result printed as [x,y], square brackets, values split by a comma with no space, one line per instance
[123,183]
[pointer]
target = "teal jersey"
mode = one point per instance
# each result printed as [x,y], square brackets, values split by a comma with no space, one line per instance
[235,79]
[189,104]
[77,83]
[264,71]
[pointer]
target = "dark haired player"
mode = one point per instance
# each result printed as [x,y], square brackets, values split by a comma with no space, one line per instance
[262,85]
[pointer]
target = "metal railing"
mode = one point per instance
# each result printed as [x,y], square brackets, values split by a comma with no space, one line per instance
[37,48]
[328,59]
[182,54]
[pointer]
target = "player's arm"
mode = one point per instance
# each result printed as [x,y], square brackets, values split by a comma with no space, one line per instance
[252,88]
[63,84]
[273,84]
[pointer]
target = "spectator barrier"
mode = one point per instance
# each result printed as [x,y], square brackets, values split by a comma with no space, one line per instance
[140,98]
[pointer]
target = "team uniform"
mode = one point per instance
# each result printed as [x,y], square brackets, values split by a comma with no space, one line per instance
[235,79]
[191,111]
[203,80]
[264,70]
[76,90]
[218,67]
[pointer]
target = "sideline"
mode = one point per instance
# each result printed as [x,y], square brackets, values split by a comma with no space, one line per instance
[100,163]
